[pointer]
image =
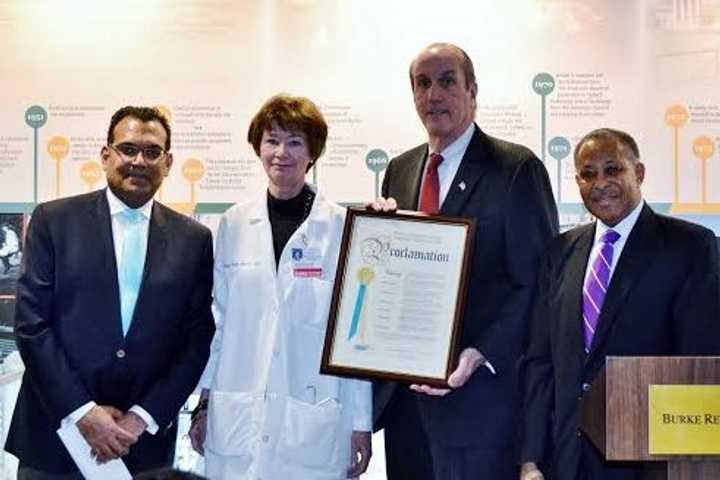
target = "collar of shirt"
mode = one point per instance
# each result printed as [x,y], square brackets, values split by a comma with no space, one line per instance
[117,205]
[118,228]
[624,227]
[452,156]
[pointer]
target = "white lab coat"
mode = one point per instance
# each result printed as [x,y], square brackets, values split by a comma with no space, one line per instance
[271,415]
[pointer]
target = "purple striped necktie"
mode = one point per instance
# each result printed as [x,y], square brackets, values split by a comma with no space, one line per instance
[596,286]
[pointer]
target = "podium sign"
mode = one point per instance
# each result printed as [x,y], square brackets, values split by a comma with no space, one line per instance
[684,419]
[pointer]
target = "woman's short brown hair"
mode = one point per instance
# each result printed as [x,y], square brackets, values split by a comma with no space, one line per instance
[290,113]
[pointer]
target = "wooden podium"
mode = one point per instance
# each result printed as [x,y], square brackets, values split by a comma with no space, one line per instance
[614,413]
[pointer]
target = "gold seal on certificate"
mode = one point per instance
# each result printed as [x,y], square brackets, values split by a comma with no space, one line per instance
[398,297]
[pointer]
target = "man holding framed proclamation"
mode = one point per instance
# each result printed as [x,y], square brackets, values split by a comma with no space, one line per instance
[466,431]
[398,297]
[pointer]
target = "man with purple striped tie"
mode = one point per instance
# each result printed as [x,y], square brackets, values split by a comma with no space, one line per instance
[631,283]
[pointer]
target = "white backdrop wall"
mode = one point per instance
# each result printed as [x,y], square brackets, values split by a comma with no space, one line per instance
[650,67]
[548,72]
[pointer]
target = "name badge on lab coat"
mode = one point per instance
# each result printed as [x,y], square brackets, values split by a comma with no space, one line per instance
[306,263]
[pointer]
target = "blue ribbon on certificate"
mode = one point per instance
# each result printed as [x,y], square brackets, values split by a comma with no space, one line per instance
[365,276]
[357,311]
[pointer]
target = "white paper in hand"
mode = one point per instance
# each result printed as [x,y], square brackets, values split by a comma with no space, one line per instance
[79,450]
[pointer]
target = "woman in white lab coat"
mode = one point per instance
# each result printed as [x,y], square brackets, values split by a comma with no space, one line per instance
[266,411]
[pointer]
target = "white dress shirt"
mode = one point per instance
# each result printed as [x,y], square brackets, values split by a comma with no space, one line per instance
[452,156]
[118,231]
[624,227]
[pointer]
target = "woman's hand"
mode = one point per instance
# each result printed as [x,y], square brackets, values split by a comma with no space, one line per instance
[381,204]
[198,430]
[360,453]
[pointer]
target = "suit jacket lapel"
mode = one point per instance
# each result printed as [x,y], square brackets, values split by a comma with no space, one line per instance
[572,284]
[100,220]
[472,167]
[409,192]
[157,240]
[638,252]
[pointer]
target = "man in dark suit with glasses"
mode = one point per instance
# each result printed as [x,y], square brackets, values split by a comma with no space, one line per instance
[113,318]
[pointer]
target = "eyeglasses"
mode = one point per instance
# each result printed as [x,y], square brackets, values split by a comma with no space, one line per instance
[130,151]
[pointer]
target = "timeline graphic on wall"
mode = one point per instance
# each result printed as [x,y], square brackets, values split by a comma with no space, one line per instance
[548,72]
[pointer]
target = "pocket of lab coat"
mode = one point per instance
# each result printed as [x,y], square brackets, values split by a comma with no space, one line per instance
[232,428]
[314,297]
[310,436]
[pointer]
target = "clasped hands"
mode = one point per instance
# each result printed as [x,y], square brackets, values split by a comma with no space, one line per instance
[109,432]
[530,471]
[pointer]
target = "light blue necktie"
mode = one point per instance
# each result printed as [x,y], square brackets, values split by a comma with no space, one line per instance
[131,266]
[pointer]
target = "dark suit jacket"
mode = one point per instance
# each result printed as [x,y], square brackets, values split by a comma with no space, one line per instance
[506,190]
[69,333]
[663,299]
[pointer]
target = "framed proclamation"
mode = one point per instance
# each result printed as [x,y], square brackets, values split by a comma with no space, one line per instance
[398,297]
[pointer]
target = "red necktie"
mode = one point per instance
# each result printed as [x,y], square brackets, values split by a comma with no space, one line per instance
[430,195]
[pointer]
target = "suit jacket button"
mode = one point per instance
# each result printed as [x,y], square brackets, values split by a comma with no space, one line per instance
[120,353]
[586,387]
